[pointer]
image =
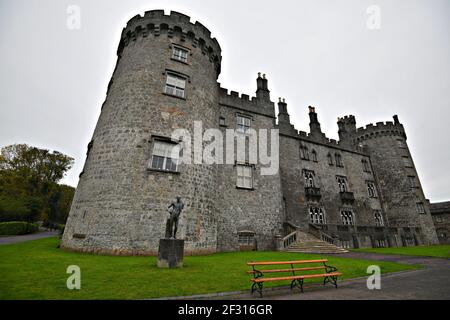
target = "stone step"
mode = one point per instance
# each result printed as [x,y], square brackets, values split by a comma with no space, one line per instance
[307,243]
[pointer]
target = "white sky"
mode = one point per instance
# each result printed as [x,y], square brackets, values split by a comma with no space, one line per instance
[315,52]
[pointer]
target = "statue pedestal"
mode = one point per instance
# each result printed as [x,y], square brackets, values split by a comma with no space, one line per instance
[170,253]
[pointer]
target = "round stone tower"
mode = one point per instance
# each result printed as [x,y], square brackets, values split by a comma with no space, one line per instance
[401,192]
[165,79]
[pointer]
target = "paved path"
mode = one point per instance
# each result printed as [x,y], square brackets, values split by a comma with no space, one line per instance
[27,237]
[432,282]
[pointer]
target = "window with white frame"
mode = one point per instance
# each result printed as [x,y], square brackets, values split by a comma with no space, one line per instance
[347,217]
[342,183]
[165,155]
[243,124]
[244,176]
[316,215]
[309,178]
[175,85]
[180,54]
[378,218]
[371,189]
[420,207]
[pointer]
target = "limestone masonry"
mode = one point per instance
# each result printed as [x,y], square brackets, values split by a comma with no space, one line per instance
[360,191]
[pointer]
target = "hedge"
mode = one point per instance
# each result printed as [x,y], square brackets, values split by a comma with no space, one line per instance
[17,227]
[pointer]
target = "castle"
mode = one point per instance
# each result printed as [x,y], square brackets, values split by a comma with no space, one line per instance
[360,191]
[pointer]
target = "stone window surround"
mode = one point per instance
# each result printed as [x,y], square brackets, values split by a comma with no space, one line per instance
[252,167]
[304,152]
[246,116]
[154,138]
[179,75]
[174,46]
[372,189]
[309,177]
[342,181]
[317,215]
[420,207]
[349,215]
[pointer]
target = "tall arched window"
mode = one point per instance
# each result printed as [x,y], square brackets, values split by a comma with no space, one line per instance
[338,159]
[314,155]
[304,153]
[309,178]
[347,217]
[316,215]
[330,159]
[378,218]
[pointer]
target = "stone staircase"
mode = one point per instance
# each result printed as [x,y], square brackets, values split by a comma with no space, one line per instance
[307,243]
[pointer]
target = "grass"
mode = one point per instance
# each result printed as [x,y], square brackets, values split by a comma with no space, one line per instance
[440,251]
[37,270]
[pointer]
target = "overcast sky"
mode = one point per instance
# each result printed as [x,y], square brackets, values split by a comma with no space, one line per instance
[53,80]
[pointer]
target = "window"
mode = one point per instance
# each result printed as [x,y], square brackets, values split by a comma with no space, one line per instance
[347,217]
[371,189]
[316,215]
[342,183]
[309,178]
[304,152]
[243,124]
[244,176]
[420,208]
[314,155]
[179,54]
[338,159]
[222,122]
[165,155]
[412,181]
[246,239]
[175,85]
[366,166]
[330,159]
[378,218]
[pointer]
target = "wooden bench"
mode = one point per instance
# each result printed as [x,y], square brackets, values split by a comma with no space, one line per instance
[329,273]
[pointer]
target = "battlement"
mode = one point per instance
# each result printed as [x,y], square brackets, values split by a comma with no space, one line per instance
[156,22]
[244,102]
[379,129]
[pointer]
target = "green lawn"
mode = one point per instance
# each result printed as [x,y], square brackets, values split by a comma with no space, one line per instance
[37,270]
[441,251]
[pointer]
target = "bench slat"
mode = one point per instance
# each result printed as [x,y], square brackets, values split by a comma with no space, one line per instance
[287,270]
[332,274]
[266,263]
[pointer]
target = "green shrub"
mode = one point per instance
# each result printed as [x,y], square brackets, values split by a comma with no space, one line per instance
[17,227]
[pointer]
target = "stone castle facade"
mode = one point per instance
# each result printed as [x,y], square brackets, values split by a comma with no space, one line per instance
[360,191]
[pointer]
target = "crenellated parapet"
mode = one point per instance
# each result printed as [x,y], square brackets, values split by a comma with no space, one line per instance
[388,128]
[155,23]
[260,104]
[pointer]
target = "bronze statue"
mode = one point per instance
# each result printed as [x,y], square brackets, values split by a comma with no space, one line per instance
[174,209]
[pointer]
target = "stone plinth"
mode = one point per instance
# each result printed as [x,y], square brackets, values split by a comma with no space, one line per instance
[170,253]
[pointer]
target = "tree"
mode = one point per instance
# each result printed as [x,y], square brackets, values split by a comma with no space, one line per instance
[29,187]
